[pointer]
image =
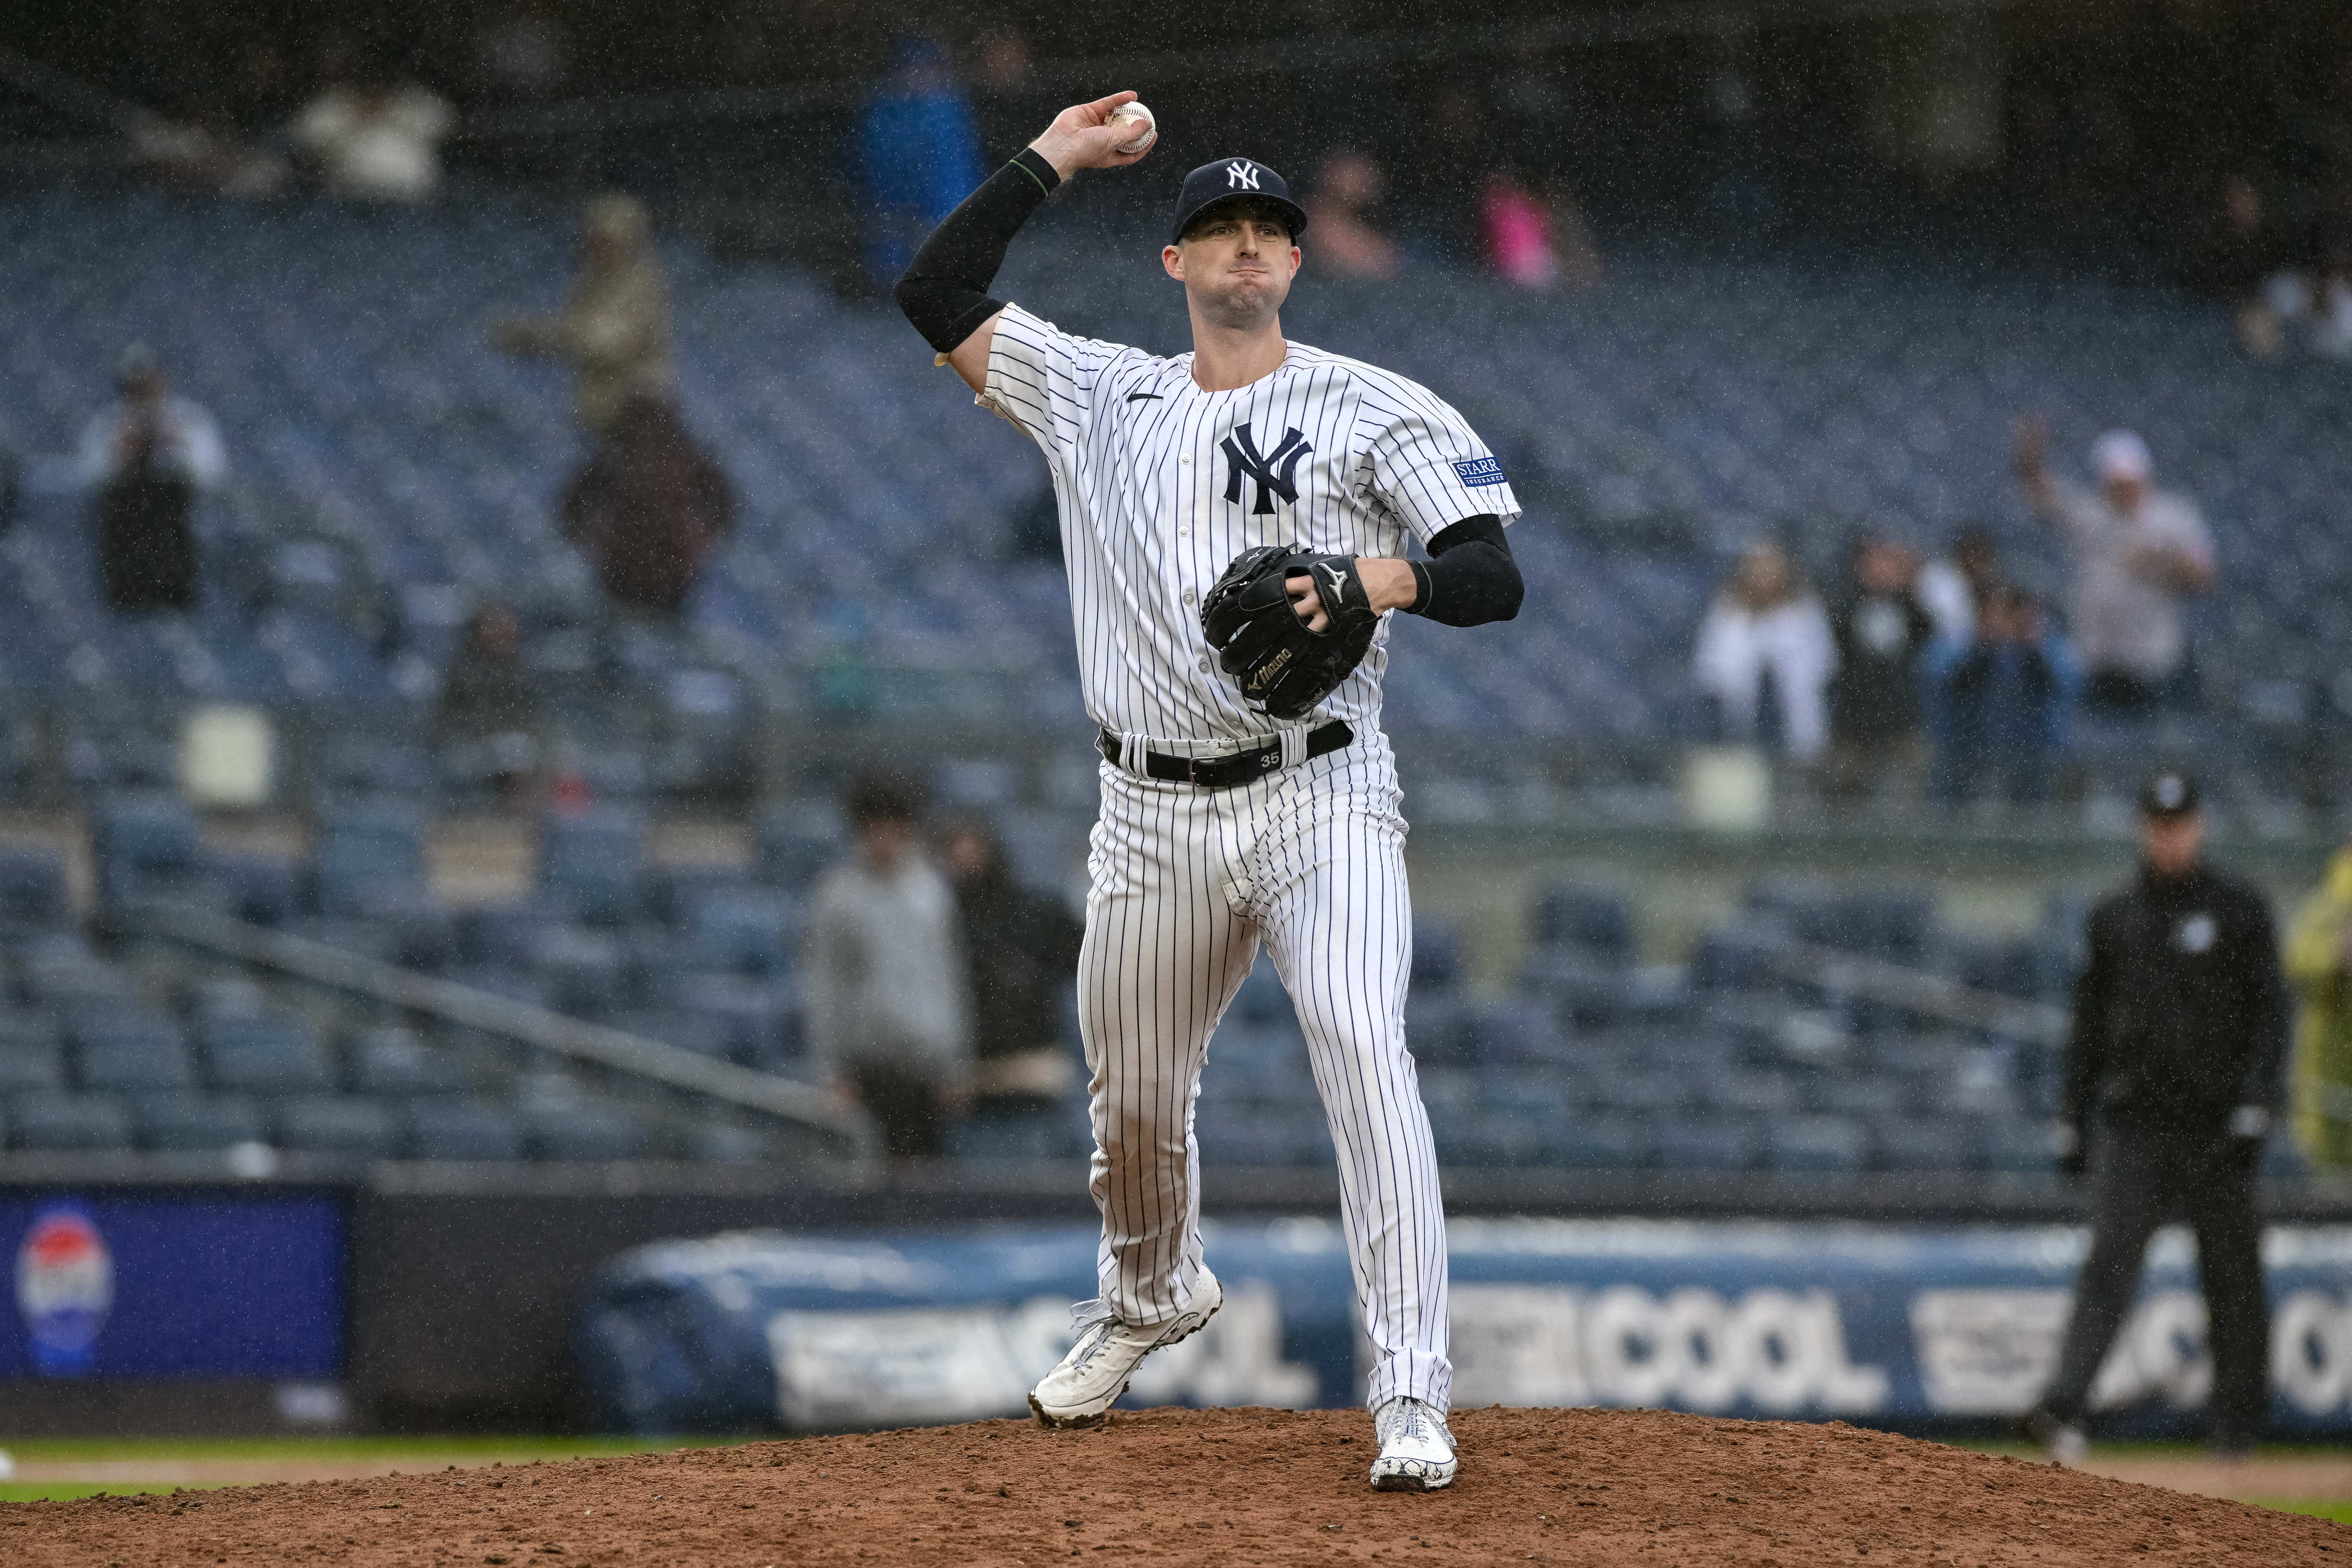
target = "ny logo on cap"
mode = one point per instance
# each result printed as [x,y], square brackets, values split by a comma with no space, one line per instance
[1241,174]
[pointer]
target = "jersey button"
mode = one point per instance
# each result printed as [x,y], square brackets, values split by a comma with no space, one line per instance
[1204,661]
[1186,460]
[1190,595]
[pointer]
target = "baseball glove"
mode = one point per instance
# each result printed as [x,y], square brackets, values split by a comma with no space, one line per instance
[1280,665]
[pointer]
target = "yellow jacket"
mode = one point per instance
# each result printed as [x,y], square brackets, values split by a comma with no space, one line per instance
[2323,1057]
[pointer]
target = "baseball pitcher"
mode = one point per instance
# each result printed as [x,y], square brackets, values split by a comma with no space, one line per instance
[1233,522]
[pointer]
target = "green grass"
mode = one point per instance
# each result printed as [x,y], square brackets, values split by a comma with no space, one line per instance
[2334,1512]
[420,1454]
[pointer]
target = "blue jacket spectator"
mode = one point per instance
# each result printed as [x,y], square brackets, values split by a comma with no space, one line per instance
[918,154]
[2001,702]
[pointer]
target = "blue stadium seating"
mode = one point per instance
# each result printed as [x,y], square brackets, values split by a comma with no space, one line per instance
[392,465]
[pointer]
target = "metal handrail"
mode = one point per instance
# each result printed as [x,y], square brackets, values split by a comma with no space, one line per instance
[616,1050]
[1873,980]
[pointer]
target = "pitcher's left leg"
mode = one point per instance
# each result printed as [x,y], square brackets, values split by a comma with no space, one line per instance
[1339,922]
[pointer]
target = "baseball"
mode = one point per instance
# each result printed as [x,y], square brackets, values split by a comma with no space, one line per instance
[1136,115]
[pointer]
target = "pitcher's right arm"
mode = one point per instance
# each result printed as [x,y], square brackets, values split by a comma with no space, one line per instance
[945,290]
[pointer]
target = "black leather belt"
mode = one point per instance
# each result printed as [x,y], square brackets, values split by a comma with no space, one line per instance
[1233,767]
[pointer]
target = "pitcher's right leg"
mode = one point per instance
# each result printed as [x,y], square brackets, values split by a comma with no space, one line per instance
[1165,953]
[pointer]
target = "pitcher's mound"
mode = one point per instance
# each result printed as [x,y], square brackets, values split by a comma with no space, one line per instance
[1211,1487]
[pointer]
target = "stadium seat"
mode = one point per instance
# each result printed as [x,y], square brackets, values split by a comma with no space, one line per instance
[145,848]
[31,1056]
[1596,921]
[264,889]
[264,1056]
[131,1054]
[1929,1143]
[2022,1147]
[798,841]
[722,1144]
[392,1063]
[1816,1144]
[452,1128]
[371,854]
[746,931]
[591,865]
[1708,1142]
[1602,1143]
[33,893]
[585,1132]
[1028,1136]
[347,1125]
[583,970]
[49,1123]
[188,1122]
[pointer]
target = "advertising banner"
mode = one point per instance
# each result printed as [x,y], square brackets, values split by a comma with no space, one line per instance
[1891,1325]
[196,1286]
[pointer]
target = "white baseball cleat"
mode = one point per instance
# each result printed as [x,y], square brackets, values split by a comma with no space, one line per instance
[1416,1450]
[1081,1391]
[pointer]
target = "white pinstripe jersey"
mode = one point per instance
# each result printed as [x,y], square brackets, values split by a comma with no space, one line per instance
[1161,485]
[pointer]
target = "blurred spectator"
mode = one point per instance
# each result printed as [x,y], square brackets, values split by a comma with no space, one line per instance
[1881,630]
[648,506]
[1765,655]
[1012,101]
[918,154]
[1021,949]
[887,1018]
[522,51]
[1536,241]
[615,329]
[2319,964]
[2317,292]
[487,727]
[2139,554]
[146,457]
[1953,586]
[2000,702]
[376,138]
[2236,256]
[1349,188]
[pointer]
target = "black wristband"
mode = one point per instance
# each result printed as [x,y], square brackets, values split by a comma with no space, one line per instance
[1039,166]
[1470,566]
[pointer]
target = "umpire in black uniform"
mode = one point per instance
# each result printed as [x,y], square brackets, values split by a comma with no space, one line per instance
[2181,1031]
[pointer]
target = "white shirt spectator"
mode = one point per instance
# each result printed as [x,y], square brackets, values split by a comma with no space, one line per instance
[1944,594]
[187,444]
[1736,646]
[885,976]
[2126,616]
[376,145]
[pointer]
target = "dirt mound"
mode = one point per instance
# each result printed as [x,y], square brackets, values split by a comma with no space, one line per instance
[1227,1486]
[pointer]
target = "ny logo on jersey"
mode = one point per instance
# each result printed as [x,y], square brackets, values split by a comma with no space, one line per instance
[1241,174]
[1273,472]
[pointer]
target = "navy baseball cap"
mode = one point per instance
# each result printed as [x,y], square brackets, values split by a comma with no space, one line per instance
[2168,794]
[1233,179]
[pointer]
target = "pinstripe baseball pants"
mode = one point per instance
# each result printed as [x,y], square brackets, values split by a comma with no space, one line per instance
[1184,884]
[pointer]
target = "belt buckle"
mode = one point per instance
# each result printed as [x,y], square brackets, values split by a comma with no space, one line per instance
[1192,771]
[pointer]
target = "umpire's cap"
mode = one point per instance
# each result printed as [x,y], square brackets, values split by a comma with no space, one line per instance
[2170,793]
[1233,180]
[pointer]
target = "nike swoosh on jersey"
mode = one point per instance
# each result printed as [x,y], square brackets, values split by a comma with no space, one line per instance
[1139,397]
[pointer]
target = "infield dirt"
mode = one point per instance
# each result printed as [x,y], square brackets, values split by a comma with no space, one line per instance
[1208,1487]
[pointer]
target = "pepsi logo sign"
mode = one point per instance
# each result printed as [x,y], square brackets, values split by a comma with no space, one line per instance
[65,1289]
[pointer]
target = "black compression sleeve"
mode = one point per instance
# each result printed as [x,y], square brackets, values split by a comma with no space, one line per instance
[945,290]
[1469,578]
